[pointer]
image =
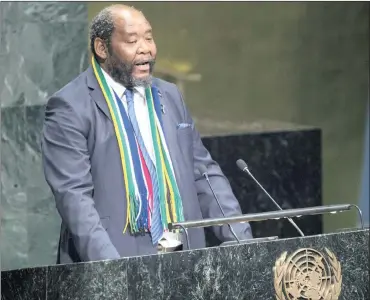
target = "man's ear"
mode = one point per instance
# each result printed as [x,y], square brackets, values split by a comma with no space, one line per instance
[101,48]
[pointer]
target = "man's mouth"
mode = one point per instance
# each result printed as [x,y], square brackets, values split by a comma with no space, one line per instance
[142,66]
[142,63]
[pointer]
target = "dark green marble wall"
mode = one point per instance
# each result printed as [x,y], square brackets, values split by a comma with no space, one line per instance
[42,48]
[305,63]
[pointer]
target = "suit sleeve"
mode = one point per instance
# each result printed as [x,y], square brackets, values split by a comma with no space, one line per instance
[221,186]
[66,163]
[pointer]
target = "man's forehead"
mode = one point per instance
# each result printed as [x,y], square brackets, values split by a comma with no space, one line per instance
[128,19]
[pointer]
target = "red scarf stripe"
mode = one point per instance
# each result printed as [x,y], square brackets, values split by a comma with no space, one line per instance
[149,186]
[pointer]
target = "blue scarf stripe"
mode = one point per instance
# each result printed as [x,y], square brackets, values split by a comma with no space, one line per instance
[157,104]
[143,192]
[137,162]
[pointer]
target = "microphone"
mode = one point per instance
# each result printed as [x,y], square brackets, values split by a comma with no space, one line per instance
[203,171]
[242,165]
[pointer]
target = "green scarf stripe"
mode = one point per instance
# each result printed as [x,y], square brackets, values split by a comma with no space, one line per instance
[178,202]
[156,144]
[133,213]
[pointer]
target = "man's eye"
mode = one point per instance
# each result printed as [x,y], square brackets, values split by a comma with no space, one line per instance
[132,42]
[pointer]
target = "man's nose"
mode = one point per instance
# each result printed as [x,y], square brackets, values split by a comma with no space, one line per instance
[143,47]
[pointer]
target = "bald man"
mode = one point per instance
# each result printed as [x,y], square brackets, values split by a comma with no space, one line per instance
[121,153]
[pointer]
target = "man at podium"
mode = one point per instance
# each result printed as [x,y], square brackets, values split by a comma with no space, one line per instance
[121,153]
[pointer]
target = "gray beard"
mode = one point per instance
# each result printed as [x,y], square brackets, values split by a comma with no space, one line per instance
[122,73]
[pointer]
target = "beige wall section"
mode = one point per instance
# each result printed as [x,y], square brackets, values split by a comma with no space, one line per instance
[305,63]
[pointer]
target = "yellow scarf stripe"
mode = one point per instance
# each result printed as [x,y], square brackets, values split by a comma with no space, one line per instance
[165,175]
[119,140]
[170,187]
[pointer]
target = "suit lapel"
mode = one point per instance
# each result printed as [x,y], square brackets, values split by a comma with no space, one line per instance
[96,93]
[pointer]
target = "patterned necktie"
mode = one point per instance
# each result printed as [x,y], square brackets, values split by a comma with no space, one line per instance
[156,226]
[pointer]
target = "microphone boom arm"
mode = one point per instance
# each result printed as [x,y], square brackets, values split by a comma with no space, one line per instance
[242,165]
[272,199]
[204,173]
[279,214]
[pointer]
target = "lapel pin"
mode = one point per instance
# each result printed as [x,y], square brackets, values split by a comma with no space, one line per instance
[163,109]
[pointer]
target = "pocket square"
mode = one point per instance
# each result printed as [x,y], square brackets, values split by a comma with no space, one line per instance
[183,125]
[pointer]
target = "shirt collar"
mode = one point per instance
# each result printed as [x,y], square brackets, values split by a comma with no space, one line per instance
[119,88]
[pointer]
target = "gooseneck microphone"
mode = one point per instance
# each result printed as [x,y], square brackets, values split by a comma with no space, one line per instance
[242,165]
[203,171]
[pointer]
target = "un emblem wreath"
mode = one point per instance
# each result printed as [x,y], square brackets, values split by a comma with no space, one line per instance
[307,274]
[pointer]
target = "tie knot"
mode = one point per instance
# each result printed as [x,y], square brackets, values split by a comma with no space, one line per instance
[129,95]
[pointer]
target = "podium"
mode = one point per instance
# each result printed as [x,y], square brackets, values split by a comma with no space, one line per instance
[327,266]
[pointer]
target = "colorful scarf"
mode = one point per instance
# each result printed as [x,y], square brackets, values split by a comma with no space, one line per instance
[137,180]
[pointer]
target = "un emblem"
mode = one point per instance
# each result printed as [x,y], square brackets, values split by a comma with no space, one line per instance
[307,274]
